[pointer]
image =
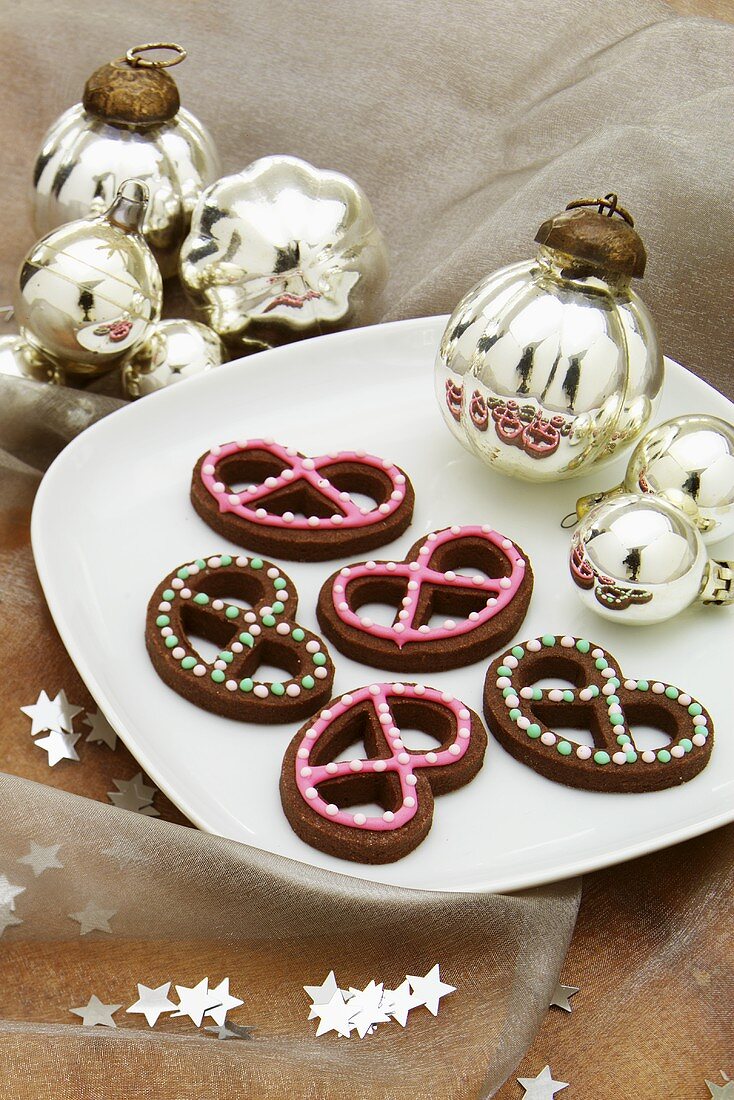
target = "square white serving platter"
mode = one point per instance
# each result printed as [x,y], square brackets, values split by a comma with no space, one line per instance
[112,517]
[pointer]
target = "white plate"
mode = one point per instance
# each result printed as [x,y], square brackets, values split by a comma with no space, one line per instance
[112,517]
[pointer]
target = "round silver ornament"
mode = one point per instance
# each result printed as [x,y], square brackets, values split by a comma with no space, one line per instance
[173,350]
[280,251]
[638,560]
[86,293]
[552,365]
[130,123]
[689,462]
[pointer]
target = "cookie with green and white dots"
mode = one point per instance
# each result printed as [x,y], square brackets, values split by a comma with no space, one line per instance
[528,720]
[205,598]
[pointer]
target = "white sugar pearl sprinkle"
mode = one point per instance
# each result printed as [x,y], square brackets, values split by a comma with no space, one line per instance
[548,738]
[583,752]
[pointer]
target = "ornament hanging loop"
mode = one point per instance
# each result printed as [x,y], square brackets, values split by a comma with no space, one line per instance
[133,55]
[608,205]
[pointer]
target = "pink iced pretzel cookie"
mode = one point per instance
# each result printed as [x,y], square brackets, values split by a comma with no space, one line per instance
[485,606]
[317,790]
[299,507]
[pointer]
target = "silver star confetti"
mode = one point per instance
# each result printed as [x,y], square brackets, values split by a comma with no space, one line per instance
[721,1092]
[7,920]
[429,989]
[94,1013]
[195,1001]
[220,997]
[152,1002]
[93,918]
[322,994]
[101,731]
[9,892]
[562,997]
[134,794]
[51,714]
[542,1087]
[398,1002]
[41,859]
[334,1015]
[231,1031]
[59,746]
[365,1008]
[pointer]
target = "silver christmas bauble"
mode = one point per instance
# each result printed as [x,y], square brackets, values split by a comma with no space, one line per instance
[280,251]
[173,350]
[552,365]
[130,123]
[639,560]
[86,293]
[19,360]
[689,462]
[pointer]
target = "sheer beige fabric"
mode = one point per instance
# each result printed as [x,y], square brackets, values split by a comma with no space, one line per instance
[467,124]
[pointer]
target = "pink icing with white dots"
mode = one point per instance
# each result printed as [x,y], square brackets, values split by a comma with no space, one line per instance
[500,591]
[250,503]
[402,762]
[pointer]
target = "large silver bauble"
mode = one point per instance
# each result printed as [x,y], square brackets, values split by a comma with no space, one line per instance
[689,462]
[280,251]
[638,560]
[174,350]
[549,366]
[86,293]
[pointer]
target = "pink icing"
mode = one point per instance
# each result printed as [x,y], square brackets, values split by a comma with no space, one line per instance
[251,501]
[501,590]
[403,762]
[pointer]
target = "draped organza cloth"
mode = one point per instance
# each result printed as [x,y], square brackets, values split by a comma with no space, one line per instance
[467,124]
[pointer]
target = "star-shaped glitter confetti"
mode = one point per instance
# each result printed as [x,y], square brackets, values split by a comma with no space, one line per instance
[94,1013]
[9,892]
[51,714]
[322,994]
[721,1092]
[542,1087]
[398,1002]
[41,859]
[366,1008]
[334,1015]
[223,1002]
[93,918]
[231,1031]
[134,794]
[59,746]
[152,1002]
[429,989]
[562,997]
[195,1001]
[101,731]
[7,920]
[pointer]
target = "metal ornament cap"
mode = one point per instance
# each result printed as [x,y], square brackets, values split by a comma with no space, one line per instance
[594,240]
[133,93]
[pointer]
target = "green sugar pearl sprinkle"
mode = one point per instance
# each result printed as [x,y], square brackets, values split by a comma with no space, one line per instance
[583,646]
[533,730]
[171,642]
[225,655]
[616,719]
[642,685]
[623,738]
[201,598]
[308,682]
[201,563]
[548,639]
[297,635]
[537,693]
[278,607]
[278,583]
[613,682]
[631,755]
[664,756]
[695,709]
[268,620]
[685,744]
[247,684]
[518,651]
[507,691]
[247,639]
[565,748]
[256,563]
[183,574]
[163,620]
[188,662]
[515,714]
[612,699]
[319,658]
[601,663]
[568,696]
[601,757]
[225,559]
[169,594]
[671,692]
[277,688]
[232,612]
[503,670]
[218,676]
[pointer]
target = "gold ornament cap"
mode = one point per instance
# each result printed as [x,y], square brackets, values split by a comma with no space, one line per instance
[596,239]
[133,91]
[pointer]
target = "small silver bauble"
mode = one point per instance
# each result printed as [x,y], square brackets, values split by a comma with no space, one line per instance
[689,462]
[173,350]
[638,560]
[86,293]
[552,365]
[280,251]
[18,359]
[130,123]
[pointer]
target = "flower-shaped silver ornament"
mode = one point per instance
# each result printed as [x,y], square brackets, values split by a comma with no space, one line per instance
[280,251]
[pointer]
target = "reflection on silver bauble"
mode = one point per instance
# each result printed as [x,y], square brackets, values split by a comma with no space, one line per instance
[637,560]
[19,360]
[280,251]
[174,350]
[87,292]
[86,154]
[688,461]
[552,365]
